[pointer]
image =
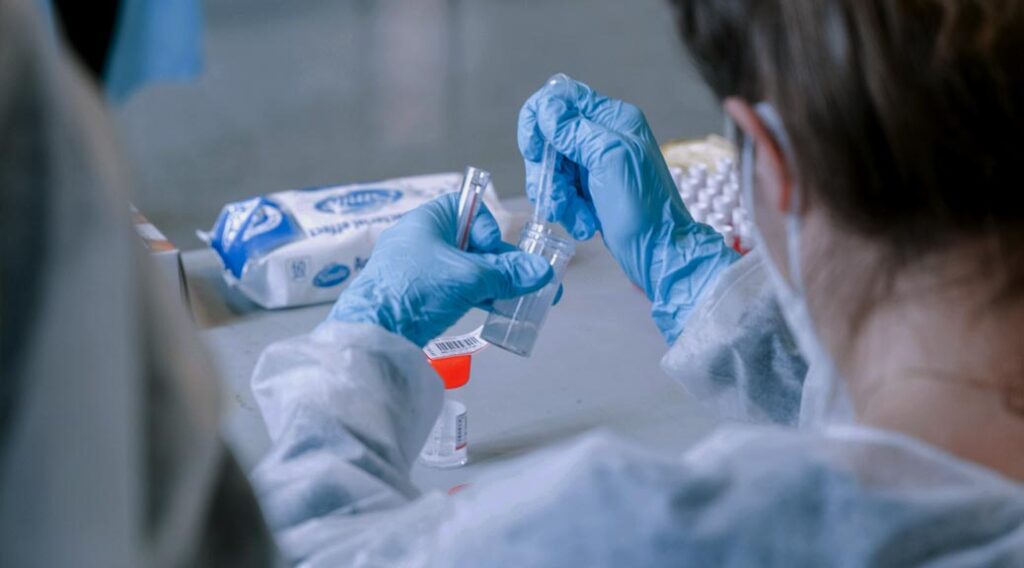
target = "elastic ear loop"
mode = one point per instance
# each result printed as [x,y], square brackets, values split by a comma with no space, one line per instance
[793,223]
[747,173]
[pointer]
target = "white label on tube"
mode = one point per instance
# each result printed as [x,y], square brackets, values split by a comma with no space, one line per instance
[456,345]
[461,431]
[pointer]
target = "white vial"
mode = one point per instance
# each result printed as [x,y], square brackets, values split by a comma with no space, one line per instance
[722,204]
[448,441]
[687,191]
[687,194]
[739,216]
[716,183]
[698,174]
[705,196]
[728,233]
[716,220]
[699,212]
[732,192]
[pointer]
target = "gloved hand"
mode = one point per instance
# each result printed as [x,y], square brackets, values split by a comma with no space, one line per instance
[611,177]
[417,283]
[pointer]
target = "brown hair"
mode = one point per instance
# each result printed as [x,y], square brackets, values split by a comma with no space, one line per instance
[905,116]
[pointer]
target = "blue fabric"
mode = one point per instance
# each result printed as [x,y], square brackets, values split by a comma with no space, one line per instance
[46,10]
[155,40]
[417,283]
[612,178]
[250,229]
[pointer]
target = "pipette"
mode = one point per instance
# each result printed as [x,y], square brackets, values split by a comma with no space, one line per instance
[545,185]
[470,195]
[559,83]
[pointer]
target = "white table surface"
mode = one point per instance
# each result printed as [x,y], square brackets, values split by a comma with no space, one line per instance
[596,366]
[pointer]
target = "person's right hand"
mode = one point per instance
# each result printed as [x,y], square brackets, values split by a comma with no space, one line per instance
[417,283]
[611,177]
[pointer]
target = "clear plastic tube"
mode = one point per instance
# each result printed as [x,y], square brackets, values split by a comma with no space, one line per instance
[542,204]
[470,195]
[514,324]
[560,84]
[446,445]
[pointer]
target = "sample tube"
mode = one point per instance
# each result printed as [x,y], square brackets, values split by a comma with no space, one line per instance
[446,444]
[515,323]
[452,358]
[470,195]
[448,440]
[558,84]
[545,185]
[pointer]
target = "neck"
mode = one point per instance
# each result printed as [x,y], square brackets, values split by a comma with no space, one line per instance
[934,360]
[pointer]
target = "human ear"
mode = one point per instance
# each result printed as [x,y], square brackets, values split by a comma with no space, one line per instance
[772,171]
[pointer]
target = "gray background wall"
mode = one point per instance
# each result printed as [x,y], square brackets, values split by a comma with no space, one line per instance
[308,92]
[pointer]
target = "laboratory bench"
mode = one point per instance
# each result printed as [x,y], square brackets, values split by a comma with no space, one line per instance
[596,365]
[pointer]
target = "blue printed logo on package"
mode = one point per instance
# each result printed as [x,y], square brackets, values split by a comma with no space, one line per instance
[358,201]
[331,275]
[249,229]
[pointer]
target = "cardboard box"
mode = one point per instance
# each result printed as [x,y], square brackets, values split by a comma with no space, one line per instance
[166,255]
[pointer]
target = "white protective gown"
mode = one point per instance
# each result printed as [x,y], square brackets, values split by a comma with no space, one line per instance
[349,406]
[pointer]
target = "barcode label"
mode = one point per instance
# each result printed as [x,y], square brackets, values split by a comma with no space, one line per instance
[454,346]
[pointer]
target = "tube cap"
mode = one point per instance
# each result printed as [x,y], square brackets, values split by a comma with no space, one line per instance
[454,371]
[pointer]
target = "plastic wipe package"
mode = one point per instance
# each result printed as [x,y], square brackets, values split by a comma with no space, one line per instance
[303,246]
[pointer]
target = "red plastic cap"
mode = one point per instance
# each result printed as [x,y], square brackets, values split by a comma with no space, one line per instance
[454,371]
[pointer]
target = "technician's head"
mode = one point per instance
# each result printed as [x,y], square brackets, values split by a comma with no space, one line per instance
[904,120]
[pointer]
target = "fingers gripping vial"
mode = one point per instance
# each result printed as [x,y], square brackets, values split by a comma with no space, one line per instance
[514,324]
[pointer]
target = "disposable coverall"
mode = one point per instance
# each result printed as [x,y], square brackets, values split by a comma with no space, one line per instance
[110,455]
[349,406]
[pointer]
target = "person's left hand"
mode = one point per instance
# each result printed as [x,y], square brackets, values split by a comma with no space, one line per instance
[417,283]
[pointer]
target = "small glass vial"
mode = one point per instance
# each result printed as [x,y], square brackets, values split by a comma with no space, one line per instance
[448,440]
[514,324]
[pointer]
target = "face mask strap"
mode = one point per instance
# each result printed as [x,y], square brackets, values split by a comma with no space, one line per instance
[794,227]
[747,170]
[824,399]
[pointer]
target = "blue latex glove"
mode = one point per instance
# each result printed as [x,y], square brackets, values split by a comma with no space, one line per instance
[611,177]
[417,283]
